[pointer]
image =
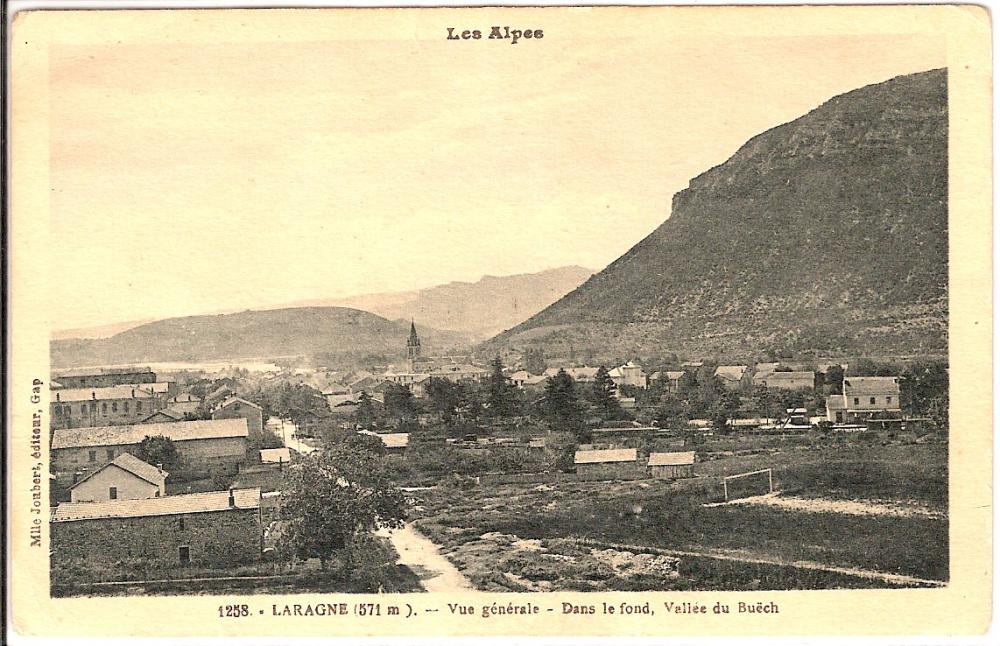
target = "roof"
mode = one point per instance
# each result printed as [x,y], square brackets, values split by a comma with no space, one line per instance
[167,505]
[626,429]
[166,412]
[671,459]
[394,440]
[159,387]
[733,373]
[65,395]
[233,399]
[871,385]
[801,375]
[768,366]
[458,368]
[202,429]
[275,455]
[132,464]
[185,397]
[600,456]
[673,374]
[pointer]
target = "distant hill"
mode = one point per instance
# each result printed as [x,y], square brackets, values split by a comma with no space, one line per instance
[481,309]
[825,235]
[344,333]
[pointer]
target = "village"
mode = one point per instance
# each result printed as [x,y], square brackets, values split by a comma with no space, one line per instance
[159,483]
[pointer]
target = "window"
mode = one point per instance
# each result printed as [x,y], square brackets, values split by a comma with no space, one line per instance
[856,401]
[180,523]
[114,407]
[92,456]
[113,493]
[83,409]
[111,454]
[888,400]
[138,407]
[104,408]
[871,400]
[157,494]
[57,410]
[126,407]
[184,553]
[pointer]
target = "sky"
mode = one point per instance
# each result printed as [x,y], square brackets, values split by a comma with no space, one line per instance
[190,177]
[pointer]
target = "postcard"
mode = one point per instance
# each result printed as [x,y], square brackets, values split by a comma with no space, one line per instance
[645,321]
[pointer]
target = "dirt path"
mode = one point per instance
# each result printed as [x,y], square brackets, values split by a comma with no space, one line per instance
[420,554]
[741,557]
[850,507]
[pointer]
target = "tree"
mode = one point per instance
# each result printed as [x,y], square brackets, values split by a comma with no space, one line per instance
[562,405]
[159,450]
[835,379]
[364,416]
[399,401]
[333,497]
[672,411]
[534,361]
[559,450]
[765,403]
[603,396]
[501,395]
[444,396]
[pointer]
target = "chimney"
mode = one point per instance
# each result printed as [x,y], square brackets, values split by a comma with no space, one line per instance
[58,399]
[159,467]
[133,393]
[232,499]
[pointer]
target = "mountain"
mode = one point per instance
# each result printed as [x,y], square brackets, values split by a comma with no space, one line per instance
[827,235]
[342,333]
[482,309]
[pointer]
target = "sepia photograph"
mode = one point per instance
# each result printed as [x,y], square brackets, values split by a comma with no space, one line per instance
[377,302]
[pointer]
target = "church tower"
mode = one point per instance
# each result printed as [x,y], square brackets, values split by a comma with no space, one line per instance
[413,348]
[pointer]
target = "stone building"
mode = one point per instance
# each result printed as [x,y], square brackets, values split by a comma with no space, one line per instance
[794,380]
[236,408]
[864,398]
[213,529]
[630,374]
[101,406]
[103,377]
[206,447]
[124,478]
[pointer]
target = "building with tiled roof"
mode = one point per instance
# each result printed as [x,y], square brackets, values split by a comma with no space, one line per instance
[212,529]
[103,377]
[234,407]
[864,398]
[76,407]
[206,447]
[781,380]
[607,463]
[124,478]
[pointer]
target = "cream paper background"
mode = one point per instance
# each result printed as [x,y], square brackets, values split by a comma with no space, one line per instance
[963,607]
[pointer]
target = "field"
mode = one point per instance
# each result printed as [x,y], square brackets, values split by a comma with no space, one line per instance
[660,535]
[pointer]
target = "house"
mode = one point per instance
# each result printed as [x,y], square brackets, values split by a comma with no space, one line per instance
[671,379]
[218,395]
[205,447]
[765,367]
[524,379]
[607,463]
[672,465]
[864,398]
[164,416]
[785,380]
[310,422]
[184,403]
[100,406]
[580,374]
[460,372]
[630,374]
[275,456]
[104,377]
[212,529]
[233,407]
[733,377]
[124,478]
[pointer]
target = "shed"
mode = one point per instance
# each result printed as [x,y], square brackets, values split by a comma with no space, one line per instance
[672,465]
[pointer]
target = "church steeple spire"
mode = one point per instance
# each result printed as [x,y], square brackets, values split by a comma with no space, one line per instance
[412,347]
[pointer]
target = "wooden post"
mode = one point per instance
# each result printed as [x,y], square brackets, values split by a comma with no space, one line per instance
[770,482]
[725,488]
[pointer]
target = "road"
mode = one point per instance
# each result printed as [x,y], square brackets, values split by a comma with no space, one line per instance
[286,429]
[421,555]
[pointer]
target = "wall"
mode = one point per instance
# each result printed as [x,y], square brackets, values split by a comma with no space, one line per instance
[217,539]
[673,471]
[129,486]
[610,471]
